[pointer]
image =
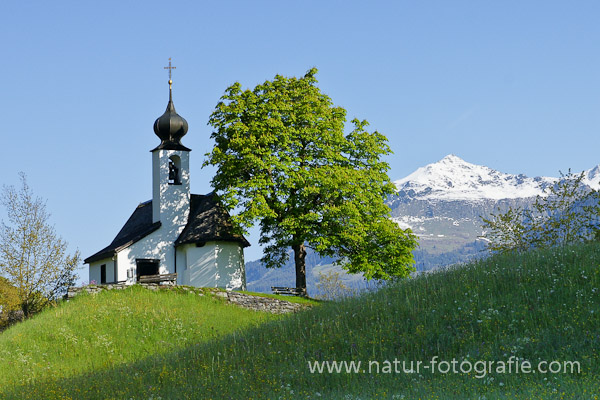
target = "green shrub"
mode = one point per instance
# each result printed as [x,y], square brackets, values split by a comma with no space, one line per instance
[9,302]
[570,213]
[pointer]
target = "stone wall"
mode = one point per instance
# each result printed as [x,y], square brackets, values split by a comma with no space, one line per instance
[93,289]
[257,303]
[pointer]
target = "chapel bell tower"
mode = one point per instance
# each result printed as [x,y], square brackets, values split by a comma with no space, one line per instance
[170,168]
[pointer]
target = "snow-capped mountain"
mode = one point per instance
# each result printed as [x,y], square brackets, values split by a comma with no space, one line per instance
[443,203]
[452,178]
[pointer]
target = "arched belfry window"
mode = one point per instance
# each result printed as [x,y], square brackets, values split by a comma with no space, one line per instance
[174,170]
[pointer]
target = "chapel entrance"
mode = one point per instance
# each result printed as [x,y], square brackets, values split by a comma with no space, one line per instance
[146,267]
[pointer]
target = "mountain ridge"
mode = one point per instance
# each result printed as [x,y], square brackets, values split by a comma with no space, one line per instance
[452,178]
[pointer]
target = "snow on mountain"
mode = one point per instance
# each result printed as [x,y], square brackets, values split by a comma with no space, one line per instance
[452,178]
[592,177]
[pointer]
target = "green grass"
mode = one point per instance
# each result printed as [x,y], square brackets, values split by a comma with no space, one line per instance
[538,306]
[92,333]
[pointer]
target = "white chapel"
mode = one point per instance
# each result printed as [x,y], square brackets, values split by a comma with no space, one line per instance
[175,232]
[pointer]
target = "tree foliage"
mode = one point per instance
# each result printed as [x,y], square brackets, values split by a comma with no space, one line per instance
[9,302]
[568,213]
[33,257]
[283,159]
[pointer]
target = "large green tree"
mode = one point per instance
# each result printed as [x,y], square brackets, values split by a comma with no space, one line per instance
[283,159]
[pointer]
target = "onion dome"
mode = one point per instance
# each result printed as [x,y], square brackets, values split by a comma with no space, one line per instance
[170,127]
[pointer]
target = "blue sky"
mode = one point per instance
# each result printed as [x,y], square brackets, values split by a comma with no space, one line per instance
[512,85]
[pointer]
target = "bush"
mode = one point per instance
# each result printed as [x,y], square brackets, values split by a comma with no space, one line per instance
[331,287]
[9,303]
[569,213]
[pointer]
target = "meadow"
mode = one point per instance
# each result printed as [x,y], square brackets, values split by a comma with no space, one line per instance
[540,306]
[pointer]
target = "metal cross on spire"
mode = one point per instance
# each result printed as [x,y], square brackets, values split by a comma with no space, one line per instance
[170,68]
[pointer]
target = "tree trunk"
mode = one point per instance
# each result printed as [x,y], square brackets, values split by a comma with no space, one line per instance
[300,261]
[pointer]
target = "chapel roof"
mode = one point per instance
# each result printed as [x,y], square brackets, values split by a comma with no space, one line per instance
[208,221]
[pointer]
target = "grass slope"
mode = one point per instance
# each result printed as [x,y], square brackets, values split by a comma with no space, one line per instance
[93,333]
[538,306]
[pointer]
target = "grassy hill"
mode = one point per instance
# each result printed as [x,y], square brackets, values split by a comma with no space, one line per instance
[541,306]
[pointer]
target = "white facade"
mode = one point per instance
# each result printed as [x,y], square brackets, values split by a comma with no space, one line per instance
[109,271]
[215,264]
[221,263]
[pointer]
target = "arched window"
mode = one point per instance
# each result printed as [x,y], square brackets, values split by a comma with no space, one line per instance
[174,170]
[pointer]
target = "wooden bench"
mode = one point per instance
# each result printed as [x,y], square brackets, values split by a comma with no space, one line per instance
[171,278]
[288,290]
